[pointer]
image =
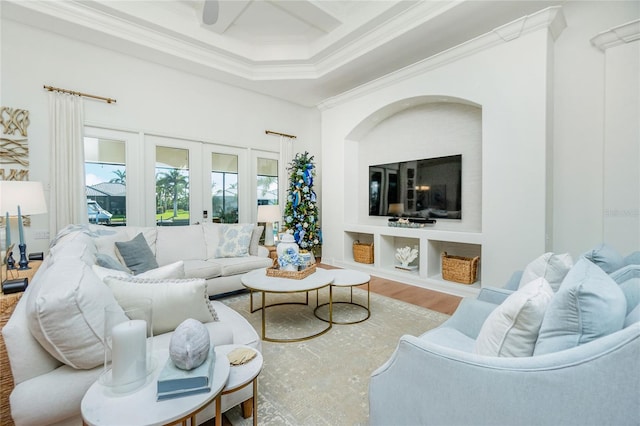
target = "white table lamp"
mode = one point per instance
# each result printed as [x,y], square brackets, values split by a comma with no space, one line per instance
[269,214]
[18,198]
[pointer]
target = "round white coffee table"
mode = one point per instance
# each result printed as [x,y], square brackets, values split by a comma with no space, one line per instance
[257,280]
[348,278]
[102,406]
[241,376]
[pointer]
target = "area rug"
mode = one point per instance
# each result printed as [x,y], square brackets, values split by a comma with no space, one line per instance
[324,380]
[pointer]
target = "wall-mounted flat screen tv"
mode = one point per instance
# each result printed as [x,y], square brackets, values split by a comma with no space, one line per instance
[427,188]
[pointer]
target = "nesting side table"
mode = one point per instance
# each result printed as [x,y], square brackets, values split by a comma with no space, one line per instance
[102,407]
[348,278]
[241,376]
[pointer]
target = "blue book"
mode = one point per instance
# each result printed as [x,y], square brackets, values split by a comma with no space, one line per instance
[182,392]
[173,379]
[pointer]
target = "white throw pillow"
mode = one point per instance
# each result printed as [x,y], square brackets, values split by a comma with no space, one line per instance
[512,328]
[211,238]
[173,270]
[66,313]
[173,301]
[255,240]
[552,267]
[234,240]
[103,272]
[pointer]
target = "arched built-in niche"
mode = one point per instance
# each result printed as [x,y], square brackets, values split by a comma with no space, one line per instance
[413,129]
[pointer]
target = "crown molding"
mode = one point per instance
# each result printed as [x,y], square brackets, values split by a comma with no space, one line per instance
[622,34]
[284,62]
[550,18]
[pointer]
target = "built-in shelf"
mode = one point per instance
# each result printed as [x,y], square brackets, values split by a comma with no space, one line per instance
[431,243]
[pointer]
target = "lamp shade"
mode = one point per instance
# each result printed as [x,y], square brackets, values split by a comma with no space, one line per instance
[269,213]
[28,195]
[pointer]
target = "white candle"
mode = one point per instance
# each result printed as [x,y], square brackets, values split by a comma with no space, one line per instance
[20,230]
[129,354]
[8,231]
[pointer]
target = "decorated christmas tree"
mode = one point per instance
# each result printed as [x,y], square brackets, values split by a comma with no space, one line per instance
[301,211]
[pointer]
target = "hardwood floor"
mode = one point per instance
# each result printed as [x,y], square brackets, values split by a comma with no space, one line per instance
[434,300]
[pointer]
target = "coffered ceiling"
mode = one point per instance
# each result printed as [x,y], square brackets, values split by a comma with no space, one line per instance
[303,51]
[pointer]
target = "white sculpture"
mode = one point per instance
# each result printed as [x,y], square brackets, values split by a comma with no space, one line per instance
[189,345]
[406,255]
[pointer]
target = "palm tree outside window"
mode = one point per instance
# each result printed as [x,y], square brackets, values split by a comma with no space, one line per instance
[172,186]
[224,188]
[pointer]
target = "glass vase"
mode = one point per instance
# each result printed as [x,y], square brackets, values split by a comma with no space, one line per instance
[128,343]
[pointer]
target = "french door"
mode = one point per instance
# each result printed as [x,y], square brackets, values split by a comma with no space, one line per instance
[196,182]
[142,179]
[111,178]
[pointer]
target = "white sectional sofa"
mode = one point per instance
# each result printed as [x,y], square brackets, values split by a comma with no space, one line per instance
[53,338]
[196,246]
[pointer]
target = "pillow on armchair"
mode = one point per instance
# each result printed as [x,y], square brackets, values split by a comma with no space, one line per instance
[550,266]
[512,328]
[588,305]
[606,257]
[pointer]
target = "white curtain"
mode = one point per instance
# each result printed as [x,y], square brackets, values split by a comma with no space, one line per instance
[286,155]
[67,204]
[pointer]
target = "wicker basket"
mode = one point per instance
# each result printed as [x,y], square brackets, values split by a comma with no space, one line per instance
[362,253]
[459,269]
[7,304]
[274,271]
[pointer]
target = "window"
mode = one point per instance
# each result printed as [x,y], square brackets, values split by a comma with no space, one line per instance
[224,188]
[106,181]
[172,186]
[267,181]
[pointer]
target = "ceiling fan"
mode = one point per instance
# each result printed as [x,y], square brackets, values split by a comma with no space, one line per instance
[210,9]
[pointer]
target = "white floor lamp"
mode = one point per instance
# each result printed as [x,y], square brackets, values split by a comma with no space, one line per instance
[269,214]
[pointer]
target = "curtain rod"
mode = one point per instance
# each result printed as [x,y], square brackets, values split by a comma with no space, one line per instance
[269,132]
[86,95]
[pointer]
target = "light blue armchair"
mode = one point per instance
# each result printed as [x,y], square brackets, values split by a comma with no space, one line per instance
[437,379]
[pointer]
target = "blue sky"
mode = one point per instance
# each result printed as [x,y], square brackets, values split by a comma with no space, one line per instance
[98,173]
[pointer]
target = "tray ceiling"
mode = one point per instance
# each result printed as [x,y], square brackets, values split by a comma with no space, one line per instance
[303,51]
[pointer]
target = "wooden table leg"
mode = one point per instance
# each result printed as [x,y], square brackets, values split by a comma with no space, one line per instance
[219,410]
[255,402]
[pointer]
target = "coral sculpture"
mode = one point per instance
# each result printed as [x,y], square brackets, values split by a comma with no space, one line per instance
[406,255]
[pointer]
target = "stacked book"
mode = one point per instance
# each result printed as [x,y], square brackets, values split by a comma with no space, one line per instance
[174,382]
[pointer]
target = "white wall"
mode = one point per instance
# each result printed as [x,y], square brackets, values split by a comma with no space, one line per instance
[621,186]
[543,104]
[509,82]
[150,98]
[579,128]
